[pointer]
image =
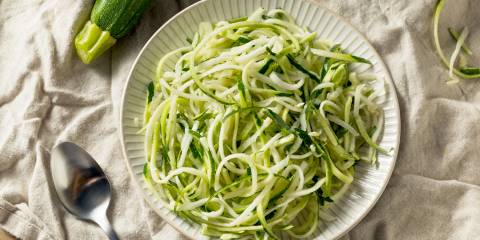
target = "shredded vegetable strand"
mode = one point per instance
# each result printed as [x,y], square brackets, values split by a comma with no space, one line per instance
[455,53]
[436,20]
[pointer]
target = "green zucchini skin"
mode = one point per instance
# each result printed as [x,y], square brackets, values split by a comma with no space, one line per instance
[118,16]
[109,21]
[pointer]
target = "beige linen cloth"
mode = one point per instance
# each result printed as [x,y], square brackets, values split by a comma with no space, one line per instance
[47,95]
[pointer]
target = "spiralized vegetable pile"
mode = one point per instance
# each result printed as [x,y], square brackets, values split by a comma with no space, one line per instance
[256,127]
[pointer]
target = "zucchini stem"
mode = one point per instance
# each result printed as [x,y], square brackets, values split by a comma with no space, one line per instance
[91,42]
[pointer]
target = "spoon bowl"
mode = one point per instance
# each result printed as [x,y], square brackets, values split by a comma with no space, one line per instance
[81,185]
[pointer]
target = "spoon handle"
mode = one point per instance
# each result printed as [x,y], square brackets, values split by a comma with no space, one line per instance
[107,228]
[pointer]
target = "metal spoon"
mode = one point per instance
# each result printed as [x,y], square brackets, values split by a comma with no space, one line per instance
[81,185]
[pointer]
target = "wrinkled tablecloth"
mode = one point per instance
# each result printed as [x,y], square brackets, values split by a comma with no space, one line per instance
[47,95]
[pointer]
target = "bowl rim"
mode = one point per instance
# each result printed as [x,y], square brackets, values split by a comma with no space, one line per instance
[382,64]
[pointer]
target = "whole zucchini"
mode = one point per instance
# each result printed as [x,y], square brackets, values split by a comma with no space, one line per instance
[109,21]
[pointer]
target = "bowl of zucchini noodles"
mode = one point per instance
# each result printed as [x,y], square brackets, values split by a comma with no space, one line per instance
[248,119]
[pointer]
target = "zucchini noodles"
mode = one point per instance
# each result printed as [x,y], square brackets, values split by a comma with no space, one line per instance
[465,72]
[256,126]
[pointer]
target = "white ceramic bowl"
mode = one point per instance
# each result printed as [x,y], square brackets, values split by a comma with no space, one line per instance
[369,181]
